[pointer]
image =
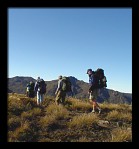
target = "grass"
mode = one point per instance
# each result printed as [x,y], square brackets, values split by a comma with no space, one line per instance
[118,116]
[72,122]
[121,135]
[83,120]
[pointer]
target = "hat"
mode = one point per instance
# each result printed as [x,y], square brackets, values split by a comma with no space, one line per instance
[60,77]
[89,70]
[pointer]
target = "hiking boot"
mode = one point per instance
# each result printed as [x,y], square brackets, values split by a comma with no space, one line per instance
[92,111]
[99,111]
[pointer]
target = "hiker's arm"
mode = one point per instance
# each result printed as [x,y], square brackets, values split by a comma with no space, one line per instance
[35,87]
[59,86]
[90,84]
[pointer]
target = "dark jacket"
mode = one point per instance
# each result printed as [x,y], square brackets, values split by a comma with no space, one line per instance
[93,82]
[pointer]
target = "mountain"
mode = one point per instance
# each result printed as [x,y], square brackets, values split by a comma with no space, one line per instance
[10,91]
[80,89]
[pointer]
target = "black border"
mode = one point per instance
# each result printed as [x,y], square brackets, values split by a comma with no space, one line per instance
[5,4]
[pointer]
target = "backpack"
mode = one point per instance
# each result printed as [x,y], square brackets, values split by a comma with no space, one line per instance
[30,86]
[102,78]
[30,90]
[66,84]
[41,86]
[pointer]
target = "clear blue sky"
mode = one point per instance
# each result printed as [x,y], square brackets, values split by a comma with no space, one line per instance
[67,41]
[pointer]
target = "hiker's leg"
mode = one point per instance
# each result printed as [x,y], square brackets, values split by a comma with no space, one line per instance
[63,95]
[94,105]
[97,105]
[38,98]
[90,101]
[90,98]
[57,99]
[96,91]
[41,98]
[31,94]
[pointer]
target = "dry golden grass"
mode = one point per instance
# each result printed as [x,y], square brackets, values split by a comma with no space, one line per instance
[45,140]
[117,116]
[72,122]
[53,113]
[21,134]
[117,107]
[83,120]
[84,139]
[31,114]
[13,122]
[15,107]
[57,111]
[121,135]
[77,104]
[48,121]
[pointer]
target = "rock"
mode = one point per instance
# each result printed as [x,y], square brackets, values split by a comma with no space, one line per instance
[119,124]
[103,123]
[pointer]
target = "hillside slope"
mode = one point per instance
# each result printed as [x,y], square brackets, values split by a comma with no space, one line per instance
[72,122]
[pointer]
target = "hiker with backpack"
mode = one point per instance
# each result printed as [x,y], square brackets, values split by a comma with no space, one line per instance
[64,86]
[30,90]
[93,90]
[40,89]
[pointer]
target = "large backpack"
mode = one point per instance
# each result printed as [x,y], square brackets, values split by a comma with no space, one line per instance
[41,86]
[30,89]
[102,78]
[30,86]
[66,84]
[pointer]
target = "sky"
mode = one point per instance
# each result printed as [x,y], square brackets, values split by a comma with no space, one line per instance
[49,42]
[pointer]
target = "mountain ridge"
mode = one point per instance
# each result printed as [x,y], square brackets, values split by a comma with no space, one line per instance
[80,89]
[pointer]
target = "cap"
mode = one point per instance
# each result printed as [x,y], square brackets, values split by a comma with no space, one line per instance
[60,77]
[89,70]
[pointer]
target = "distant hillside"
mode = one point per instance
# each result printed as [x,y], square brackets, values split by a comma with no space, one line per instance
[10,91]
[80,89]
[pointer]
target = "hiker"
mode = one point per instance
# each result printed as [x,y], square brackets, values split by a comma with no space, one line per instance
[30,90]
[40,89]
[27,90]
[60,93]
[93,90]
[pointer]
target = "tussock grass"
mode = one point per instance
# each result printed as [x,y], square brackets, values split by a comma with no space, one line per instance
[117,107]
[15,107]
[21,134]
[83,120]
[47,121]
[84,139]
[31,114]
[73,122]
[36,111]
[54,113]
[121,135]
[117,116]
[26,116]
[44,140]
[57,111]
[77,104]
[13,123]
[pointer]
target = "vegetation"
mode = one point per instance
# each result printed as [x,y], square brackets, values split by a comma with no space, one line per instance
[72,122]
